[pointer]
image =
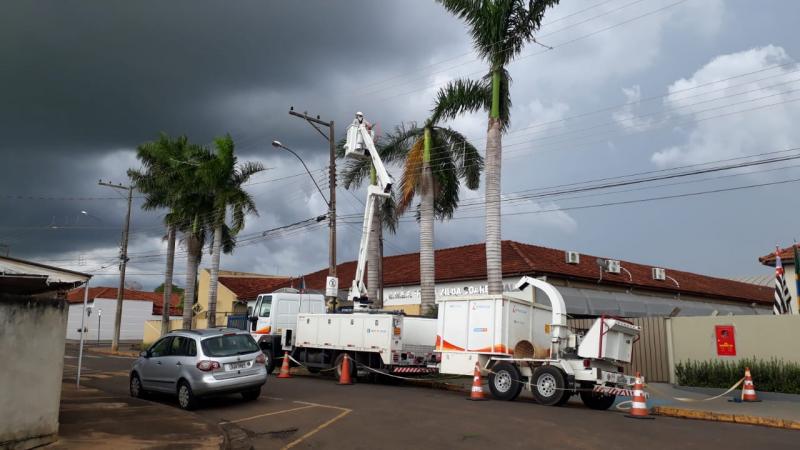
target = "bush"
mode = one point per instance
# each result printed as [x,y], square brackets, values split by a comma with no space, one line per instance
[772,375]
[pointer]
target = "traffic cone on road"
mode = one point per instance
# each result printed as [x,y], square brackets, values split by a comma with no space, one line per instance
[344,371]
[748,389]
[477,388]
[285,367]
[639,404]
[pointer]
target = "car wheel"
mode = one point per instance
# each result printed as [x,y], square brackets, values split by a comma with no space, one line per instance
[505,381]
[548,386]
[136,389]
[186,399]
[270,361]
[251,394]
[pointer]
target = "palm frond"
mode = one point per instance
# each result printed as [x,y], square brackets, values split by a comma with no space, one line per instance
[411,175]
[459,97]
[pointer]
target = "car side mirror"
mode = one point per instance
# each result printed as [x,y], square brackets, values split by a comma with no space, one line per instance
[253,319]
[144,354]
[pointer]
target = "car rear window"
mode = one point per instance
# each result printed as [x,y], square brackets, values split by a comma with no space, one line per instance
[229,345]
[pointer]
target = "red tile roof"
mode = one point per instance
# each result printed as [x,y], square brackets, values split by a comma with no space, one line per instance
[248,288]
[787,257]
[76,296]
[469,263]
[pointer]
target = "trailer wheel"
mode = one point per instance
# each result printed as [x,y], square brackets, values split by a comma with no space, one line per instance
[548,386]
[594,400]
[505,381]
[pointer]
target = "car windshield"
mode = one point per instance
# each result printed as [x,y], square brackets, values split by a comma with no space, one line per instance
[229,345]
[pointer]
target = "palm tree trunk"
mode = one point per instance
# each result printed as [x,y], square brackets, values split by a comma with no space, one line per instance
[212,288]
[427,268]
[165,310]
[373,249]
[192,260]
[494,261]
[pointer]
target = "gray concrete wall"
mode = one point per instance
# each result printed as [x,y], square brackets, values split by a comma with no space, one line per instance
[761,337]
[32,344]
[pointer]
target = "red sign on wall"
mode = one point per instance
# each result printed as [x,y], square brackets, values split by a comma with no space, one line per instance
[726,342]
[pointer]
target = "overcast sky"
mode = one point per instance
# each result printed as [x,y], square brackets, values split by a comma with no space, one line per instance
[629,87]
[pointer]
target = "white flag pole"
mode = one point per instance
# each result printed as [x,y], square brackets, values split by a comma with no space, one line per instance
[83,318]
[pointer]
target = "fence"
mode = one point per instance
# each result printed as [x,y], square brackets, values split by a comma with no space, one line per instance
[238,321]
[649,352]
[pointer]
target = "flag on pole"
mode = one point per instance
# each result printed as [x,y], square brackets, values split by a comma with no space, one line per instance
[783,299]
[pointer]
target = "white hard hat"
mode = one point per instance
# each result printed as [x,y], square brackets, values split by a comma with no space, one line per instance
[359,113]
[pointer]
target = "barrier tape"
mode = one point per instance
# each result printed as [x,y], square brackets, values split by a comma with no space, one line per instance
[691,400]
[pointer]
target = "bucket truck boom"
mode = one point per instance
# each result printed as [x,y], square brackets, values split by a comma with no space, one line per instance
[360,145]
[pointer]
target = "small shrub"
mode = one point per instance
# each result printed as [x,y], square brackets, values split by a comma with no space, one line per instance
[773,375]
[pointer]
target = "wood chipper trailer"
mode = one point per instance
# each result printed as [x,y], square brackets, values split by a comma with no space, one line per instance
[528,345]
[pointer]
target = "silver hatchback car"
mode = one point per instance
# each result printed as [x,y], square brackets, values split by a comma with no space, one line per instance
[196,363]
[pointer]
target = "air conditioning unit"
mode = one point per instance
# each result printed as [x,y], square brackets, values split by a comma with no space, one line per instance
[573,258]
[612,266]
[659,274]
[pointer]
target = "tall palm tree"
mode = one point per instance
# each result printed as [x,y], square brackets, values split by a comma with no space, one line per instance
[225,179]
[162,165]
[500,29]
[436,159]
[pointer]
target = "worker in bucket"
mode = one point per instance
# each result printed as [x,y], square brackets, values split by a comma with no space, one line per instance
[359,120]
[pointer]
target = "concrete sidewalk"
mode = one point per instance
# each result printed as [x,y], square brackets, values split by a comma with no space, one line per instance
[775,410]
[90,418]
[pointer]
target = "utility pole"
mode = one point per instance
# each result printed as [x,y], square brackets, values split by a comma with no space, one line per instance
[123,260]
[314,121]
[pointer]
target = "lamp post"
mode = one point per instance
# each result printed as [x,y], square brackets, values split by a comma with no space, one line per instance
[331,217]
[99,315]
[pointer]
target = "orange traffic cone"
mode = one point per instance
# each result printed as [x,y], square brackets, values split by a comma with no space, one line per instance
[639,404]
[477,389]
[344,371]
[748,389]
[285,367]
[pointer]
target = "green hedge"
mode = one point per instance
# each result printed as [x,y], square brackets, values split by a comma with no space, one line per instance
[772,375]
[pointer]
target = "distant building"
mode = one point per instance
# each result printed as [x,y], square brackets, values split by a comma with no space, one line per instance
[234,290]
[137,308]
[588,290]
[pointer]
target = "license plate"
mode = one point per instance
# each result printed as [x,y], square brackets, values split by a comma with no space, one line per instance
[238,365]
[613,377]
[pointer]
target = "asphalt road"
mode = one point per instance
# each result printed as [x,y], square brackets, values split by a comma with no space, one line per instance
[315,412]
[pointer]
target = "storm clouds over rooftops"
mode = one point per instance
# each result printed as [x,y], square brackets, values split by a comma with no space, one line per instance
[82,84]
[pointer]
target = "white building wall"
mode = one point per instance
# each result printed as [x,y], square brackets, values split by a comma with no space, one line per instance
[134,315]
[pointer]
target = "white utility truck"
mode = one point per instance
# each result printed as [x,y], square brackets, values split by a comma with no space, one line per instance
[382,341]
[528,345]
[273,315]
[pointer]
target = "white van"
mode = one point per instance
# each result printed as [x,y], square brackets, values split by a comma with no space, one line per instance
[270,314]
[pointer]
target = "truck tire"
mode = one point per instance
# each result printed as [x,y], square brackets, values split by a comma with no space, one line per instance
[597,401]
[548,386]
[337,364]
[505,381]
[270,361]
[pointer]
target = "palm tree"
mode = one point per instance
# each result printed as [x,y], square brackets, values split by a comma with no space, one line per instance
[162,163]
[500,29]
[225,179]
[435,159]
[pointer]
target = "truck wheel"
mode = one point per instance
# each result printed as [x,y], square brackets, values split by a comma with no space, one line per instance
[270,361]
[505,381]
[594,400]
[337,364]
[548,386]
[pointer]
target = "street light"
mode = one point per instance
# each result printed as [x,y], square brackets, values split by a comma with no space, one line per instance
[99,315]
[277,144]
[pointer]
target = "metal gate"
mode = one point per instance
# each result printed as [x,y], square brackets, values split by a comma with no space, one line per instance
[649,352]
[237,321]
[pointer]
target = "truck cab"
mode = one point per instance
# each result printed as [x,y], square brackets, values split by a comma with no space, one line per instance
[272,315]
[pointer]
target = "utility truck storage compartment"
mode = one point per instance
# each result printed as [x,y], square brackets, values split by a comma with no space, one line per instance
[491,325]
[377,333]
[609,338]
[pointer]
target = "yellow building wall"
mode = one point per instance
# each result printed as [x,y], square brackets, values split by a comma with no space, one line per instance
[152,329]
[225,299]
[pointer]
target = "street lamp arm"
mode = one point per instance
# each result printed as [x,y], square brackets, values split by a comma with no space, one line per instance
[278,144]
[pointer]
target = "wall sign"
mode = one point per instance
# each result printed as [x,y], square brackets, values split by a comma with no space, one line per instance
[726,341]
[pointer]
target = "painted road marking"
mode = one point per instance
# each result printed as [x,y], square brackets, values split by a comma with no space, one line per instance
[272,413]
[344,412]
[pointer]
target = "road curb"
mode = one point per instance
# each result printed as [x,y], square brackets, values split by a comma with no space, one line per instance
[723,417]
